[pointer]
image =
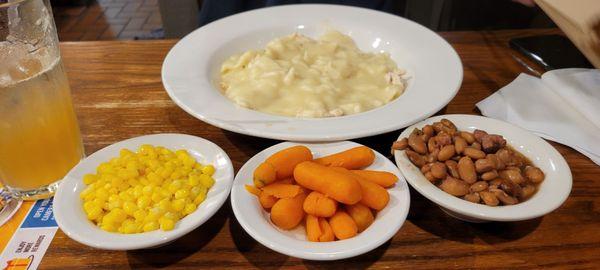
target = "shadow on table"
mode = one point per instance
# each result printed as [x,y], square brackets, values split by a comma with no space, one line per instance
[247,144]
[183,247]
[359,262]
[429,217]
[256,254]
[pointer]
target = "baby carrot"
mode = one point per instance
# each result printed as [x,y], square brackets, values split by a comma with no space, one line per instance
[372,195]
[288,213]
[267,201]
[264,174]
[351,159]
[343,225]
[318,229]
[342,187]
[285,160]
[361,214]
[319,205]
[326,231]
[289,181]
[384,179]
[282,190]
[253,190]
[313,230]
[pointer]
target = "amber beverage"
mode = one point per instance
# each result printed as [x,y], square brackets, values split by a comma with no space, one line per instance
[39,135]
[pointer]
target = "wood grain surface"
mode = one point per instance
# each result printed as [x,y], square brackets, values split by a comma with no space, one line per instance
[118,94]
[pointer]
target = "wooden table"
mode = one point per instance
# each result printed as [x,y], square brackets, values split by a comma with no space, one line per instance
[118,94]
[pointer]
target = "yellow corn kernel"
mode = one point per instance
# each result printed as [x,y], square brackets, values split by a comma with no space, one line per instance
[206,180]
[178,205]
[165,205]
[154,178]
[119,214]
[147,190]
[193,180]
[129,208]
[200,198]
[94,213]
[177,174]
[143,202]
[157,196]
[139,214]
[167,224]
[175,186]
[150,226]
[208,169]
[182,194]
[108,227]
[195,191]
[125,152]
[89,179]
[189,208]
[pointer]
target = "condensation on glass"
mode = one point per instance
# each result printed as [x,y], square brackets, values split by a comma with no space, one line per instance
[39,135]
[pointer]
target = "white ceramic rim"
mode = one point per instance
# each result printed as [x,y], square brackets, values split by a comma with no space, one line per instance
[196,94]
[87,232]
[386,224]
[551,194]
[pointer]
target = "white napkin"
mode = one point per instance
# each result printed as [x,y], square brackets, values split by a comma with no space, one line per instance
[563,106]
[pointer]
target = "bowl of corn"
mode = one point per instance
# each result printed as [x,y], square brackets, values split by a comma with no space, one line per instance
[143,192]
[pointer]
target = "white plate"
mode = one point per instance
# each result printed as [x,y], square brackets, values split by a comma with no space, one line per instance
[190,71]
[256,221]
[552,192]
[71,218]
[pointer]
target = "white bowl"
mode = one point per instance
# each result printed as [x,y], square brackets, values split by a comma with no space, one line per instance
[256,221]
[190,71]
[71,218]
[552,192]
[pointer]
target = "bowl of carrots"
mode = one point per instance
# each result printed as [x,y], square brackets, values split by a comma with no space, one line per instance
[320,201]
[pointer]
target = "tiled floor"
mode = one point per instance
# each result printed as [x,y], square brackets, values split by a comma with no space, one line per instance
[108,20]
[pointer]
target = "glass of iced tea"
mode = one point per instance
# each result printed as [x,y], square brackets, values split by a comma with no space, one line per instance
[39,135]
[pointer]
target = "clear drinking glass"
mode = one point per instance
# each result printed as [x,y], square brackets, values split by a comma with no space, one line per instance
[39,135]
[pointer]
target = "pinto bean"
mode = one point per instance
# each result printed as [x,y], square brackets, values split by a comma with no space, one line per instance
[432,157]
[430,177]
[415,158]
[466,170]
[454,186]
[489,198]
[438,170]
[467,136]
[446,152]
[527,191]
[504,155]
[478,134]
[416,143]
[479,186]
[473,153]
[472,197]
[432,144]
[495,183]
[484,165]
[460,144]
[443,139]
[438,126]
[428,129]
[498,164]
[476,145]
[503,197]
[510,187]
[426,168]
[534,174]
[491,175]
[452,168]
[513,175]
[400,144]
